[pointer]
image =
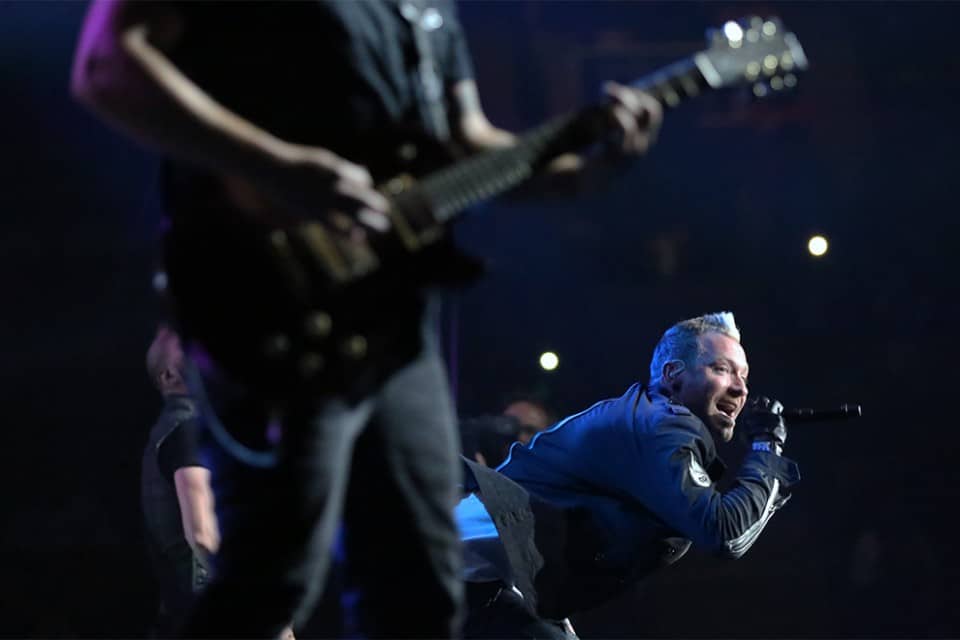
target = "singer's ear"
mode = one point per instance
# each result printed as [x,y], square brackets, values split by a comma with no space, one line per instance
[672,370]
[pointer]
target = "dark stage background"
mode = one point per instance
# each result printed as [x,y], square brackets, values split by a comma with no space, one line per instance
[716,218]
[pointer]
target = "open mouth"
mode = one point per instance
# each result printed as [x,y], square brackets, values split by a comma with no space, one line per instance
[729,409]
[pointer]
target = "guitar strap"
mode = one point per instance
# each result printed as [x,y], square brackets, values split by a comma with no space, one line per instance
[423,19]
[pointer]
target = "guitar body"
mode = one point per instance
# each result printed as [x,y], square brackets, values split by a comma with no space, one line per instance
[249,281]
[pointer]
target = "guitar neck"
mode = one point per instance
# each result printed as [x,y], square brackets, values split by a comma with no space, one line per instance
[678,82]
[495,172]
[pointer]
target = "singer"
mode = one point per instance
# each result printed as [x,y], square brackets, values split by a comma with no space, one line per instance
[608,495]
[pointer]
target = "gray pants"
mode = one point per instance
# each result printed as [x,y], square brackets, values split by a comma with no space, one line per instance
[386,467]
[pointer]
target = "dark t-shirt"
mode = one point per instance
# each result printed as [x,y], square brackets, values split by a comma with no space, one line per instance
[323,73]
[171,445]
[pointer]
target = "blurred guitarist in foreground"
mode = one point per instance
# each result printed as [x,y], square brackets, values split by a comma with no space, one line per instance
[265,113]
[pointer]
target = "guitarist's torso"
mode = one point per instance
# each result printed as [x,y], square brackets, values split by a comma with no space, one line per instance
[337,75]
[318,73]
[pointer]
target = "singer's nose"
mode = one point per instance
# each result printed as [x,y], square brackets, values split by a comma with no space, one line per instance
[738,387]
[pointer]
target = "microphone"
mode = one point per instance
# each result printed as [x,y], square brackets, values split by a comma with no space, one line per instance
[844,412]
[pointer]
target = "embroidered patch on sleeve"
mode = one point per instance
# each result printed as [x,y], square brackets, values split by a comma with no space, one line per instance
[698,474]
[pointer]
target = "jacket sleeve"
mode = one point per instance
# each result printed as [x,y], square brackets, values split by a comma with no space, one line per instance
[670,480]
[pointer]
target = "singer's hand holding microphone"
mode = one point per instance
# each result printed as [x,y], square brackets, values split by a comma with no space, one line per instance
[762,422]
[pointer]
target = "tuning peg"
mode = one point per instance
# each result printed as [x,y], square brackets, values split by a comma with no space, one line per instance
[733,33]
[752,70]
[760,90]
[786,61]
[776,83]
[756,22]
[770,64]
[789,81]
[769,29]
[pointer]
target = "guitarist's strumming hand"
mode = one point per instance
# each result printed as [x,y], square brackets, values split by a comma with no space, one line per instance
[317,181]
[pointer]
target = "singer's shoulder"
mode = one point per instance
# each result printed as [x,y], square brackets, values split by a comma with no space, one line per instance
[654,404]
[677,409]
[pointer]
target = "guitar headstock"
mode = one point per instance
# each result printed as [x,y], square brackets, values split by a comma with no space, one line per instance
[752,50]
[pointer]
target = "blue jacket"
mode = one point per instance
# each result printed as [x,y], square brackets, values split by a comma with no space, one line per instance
[616,491]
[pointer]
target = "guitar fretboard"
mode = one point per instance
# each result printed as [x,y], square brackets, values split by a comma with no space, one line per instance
[489,174]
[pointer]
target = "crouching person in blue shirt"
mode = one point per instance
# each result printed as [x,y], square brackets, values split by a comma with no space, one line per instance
[608,495]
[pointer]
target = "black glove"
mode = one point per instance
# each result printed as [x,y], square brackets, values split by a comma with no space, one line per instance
[761,421]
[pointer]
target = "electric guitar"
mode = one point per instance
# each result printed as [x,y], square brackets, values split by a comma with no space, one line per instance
[285,302]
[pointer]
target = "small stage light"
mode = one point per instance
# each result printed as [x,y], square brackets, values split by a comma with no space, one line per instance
[549,360]
[817,246]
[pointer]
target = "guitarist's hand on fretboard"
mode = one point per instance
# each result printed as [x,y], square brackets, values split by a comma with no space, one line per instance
[636,118]
[629,120]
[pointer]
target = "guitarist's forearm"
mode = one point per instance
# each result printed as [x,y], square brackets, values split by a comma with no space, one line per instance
[122,73]
[566,176]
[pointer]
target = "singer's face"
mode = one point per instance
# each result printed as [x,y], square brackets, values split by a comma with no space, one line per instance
[715,388]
